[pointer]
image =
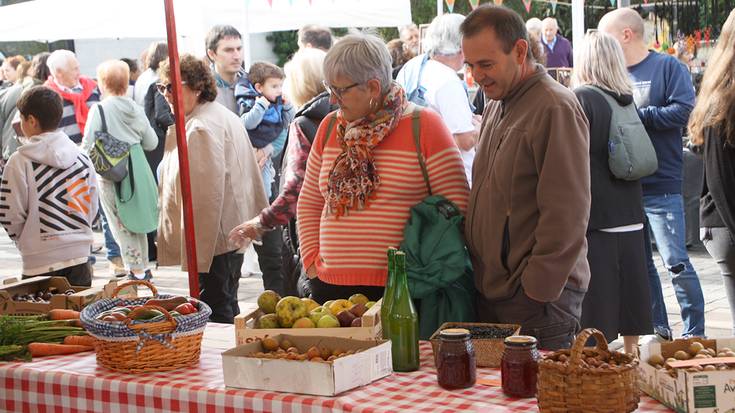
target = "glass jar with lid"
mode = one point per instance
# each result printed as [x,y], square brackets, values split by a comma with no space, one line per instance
[519,366]
[456,359]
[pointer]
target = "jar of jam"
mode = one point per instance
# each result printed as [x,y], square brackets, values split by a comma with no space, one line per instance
[519,366]
[456,359]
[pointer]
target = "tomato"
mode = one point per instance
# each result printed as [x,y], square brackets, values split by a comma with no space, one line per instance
[185,309]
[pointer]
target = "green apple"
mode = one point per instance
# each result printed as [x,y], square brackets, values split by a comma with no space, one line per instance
[289,309]
[318,313]
[358,299]
[328,321]
[369,304]
[339,305]
[310,304]
[267,321]
[327,304]
[267,301]
[303,322]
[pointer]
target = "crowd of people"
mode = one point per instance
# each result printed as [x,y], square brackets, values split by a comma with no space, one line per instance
[319,163]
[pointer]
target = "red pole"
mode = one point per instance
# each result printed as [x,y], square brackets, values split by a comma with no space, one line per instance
[173,58]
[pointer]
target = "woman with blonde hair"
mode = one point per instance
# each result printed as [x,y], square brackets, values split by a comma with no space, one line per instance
[712,125]
[305,81]
[131,205]
[617,301]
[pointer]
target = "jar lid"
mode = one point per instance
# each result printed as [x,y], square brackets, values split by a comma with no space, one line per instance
[520,341]
[454,333]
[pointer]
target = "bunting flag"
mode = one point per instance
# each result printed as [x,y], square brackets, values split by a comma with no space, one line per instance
[474,4]
[553,5]
[498,2]
[527,3]
[270,3]
[450,5]
[613,3]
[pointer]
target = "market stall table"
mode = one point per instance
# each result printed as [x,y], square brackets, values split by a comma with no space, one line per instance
[75,384]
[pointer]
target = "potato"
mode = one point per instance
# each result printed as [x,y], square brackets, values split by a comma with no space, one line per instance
[681,355]
[656,359]
[710,367]
[696,347]
[702,356]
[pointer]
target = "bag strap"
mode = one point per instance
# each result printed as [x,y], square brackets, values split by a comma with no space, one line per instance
[131,176]
[421,70]
[102,116]
[416,126]
[330,126]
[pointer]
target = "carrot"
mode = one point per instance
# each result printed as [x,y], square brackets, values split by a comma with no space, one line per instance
[62,314]
[80,340]
[49,349]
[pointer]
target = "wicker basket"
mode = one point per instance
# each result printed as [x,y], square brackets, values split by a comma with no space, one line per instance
[488,351]
[567,383]
[145,346]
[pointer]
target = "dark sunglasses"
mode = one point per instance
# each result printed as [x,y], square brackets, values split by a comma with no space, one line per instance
[167,88]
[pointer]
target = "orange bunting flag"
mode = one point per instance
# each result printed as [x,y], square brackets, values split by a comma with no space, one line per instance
[498,2]
[450,5]
[527,3]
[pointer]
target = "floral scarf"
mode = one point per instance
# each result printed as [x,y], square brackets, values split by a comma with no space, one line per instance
[353,180]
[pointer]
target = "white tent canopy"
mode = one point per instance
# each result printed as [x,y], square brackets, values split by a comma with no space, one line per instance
[50,20]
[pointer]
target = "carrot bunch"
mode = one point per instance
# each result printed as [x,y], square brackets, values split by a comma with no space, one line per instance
[23,337]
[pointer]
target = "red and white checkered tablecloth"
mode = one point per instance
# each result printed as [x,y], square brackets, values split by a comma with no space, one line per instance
[75,384]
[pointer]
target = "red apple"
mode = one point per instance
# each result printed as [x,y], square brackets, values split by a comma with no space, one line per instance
[345,318]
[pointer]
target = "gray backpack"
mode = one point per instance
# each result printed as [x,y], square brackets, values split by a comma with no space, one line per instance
[631,155]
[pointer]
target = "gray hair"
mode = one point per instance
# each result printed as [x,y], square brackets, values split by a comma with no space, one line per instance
[59,59]
[359,57]
[533,25]
[599,62]
[443,36]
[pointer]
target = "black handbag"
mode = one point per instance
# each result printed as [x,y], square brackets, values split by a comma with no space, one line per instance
[109,155]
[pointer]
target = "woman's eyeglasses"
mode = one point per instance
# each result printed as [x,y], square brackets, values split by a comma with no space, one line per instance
[166,88]
[338,92]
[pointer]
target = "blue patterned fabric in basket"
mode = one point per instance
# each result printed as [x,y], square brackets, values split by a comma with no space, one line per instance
[185,324]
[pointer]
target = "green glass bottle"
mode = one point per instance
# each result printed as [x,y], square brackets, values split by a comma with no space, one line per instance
[403,321]
[390,283]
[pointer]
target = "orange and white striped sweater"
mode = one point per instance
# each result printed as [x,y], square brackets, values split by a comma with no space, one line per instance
[351,250]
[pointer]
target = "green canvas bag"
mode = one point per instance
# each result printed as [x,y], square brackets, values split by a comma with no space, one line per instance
[137,195]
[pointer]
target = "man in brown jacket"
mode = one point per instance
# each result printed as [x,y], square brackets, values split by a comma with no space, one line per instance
[530,201]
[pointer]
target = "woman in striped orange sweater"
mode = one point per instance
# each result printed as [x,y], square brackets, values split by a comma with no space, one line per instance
[363,174]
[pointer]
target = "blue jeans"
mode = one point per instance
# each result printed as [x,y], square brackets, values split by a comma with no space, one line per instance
[113,250]
[665,216]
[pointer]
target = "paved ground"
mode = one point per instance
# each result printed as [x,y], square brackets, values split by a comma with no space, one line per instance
[173,281]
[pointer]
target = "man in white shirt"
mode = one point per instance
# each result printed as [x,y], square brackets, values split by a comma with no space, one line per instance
[436,74]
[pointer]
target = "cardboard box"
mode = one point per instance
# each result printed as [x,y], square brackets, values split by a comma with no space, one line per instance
[700,392]
[82,296]
[246,332]
[316,378]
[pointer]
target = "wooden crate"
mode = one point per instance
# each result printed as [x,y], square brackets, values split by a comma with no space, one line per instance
[246,332]
[82,296]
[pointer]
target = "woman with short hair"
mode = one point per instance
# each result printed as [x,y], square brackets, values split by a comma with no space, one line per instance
[226,188]
[712,125]
[130,206]
[617,301]
[363,174]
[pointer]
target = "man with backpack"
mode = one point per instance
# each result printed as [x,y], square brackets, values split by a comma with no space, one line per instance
[431,80]
[529,205]
[664,95]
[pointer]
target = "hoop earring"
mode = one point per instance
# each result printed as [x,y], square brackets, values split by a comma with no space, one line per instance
[371,103]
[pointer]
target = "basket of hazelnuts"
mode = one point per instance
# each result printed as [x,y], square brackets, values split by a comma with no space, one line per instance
[588,379]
